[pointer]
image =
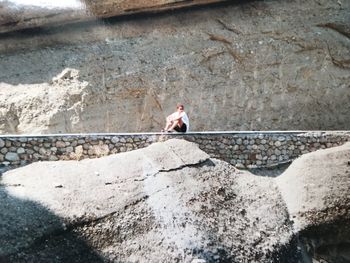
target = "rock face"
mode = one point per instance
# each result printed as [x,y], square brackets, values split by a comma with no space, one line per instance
[165,203]
[254,65]
[316,189]
[168,202]
[37,108]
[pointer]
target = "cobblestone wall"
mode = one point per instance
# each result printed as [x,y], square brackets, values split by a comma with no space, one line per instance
[244,149]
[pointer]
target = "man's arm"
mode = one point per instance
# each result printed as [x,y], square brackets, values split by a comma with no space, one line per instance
[178,116]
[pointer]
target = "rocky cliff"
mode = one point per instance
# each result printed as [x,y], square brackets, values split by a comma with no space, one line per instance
[240,65]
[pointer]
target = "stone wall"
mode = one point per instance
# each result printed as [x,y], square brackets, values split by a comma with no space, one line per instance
[244,149]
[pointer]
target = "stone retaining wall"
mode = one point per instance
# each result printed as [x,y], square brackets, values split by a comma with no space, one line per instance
[244,149]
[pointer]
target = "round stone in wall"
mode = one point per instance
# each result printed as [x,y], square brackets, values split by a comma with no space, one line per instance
[69,149]
[278,143]
[11,156]
[115,139]
[2,143]
[21,150]
[281,138]
[23,139]
[60,144]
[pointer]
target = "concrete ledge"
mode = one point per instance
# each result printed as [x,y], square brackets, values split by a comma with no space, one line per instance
[174,133]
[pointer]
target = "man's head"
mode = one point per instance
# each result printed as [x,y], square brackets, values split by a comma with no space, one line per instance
[180,107]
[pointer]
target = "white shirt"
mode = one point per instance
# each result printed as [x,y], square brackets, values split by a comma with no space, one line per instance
[186,120]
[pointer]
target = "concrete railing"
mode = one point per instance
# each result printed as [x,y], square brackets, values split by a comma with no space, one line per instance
[244,149]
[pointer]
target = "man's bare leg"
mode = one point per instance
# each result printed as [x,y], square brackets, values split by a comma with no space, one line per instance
[168,124]
[174,124]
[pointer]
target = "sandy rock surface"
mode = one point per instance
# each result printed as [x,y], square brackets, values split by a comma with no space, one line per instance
[170,202]
[165,203]
[37,108]
[316,181]
[316,189]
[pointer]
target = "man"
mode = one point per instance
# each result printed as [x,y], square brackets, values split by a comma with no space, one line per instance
[177,121]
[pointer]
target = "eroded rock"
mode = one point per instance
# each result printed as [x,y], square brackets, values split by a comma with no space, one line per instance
[316,189]
[170,202]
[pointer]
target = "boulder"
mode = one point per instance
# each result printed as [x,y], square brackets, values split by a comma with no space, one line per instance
[171,202]
[168,202]
[316,189]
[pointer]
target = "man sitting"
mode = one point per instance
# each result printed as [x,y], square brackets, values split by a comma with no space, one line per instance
[177,121]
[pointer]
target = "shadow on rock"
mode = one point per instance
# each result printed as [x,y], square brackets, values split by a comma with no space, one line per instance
[328,241]
[273,171]
[31,233]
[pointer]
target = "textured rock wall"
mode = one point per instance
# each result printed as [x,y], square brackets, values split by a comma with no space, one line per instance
[257,65]
[319,214]
[240,149]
